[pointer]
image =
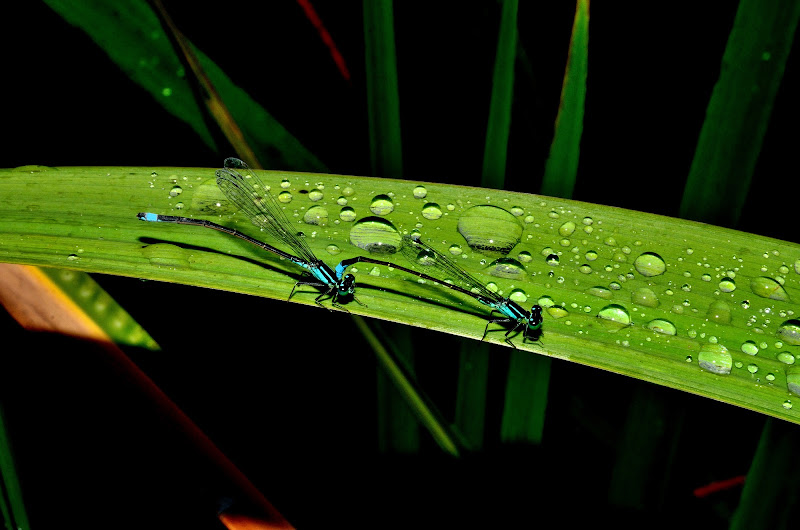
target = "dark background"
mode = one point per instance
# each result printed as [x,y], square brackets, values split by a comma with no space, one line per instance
[297,420]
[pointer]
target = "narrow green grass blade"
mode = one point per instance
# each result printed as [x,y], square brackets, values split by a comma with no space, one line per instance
[699,308]
[397,426]
[14,510]
[416,400]
[130,33]
[383,100]
[101,308]
[738,111]
[561,168]
[771,479]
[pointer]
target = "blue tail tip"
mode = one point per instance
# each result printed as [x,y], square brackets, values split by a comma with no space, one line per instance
[146,216]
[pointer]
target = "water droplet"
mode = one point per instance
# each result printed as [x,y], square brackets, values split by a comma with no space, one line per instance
[175,191]
[381,205]
[516,211]
[644,296]
[490,229]
[333,249]
[650,264]
[552,259]
[506,268]
[556,311]
[793,381]
[770,377]
[519,296]
[347,214]
[715,358]
[179,206]
[768,288]
[342,201]
[285,184]
[797,265]
[752,368]
[153,174]
[600,292]
[316,215]
[315,195]
[719,311]
[455,250]
[420,192]
[591,255]
[789,332]
[567,229]
[665,327]
[166,255]
[431,211]
[73,257]
[706,277]
[615,313]
[525,256]
[585,269]
[786,357]
[375,235]
[787,404]
[285,197]
[750,348]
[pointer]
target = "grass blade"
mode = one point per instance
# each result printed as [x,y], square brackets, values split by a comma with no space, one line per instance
[738,111]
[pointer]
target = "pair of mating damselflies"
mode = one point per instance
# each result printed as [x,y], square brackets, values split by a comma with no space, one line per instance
[246,191]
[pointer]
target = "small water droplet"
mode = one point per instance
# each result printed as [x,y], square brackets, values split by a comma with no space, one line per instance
[787,404]
[770,377]
[489,229]
[644,296]
[567,229]
[752,368]
[706,277]
[516,211]
[381,205]
[431,211]
[179,206]
[719,311]
[591,255]
[525,257]
[455,250]
[342,201]
[750,348]
[789,332]
[600,292]
[506,268]
[768,288]
[420,192]
[73,257]
[585,269]
[333,249]
[519,296]
[786,357]
[615,313]
[715,358]
[376,236]
[175,191]
[347,214]
[552,259]
[285,184]
[285,197]
[316,215]
[665,327]
[315,195]
[650,264]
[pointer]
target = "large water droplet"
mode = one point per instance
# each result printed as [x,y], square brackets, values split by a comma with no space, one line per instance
[375,235]
[768,288]
[420,192]
[644,296]
[650,264]
[659,325]
[506,268]
[715,358]
[789,332]
[490,229]
[719,311]
[175,191]
[315,195]
[567,229]
[381,205]
[285,197]
[786,357]
[793,381]
[316,215]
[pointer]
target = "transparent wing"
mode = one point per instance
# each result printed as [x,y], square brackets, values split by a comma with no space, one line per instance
[425,257]
[244,189]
